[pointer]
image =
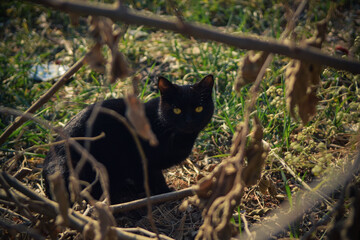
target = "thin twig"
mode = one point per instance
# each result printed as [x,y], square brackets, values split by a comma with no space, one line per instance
[21,152]
[144,161]
[165,197]
[12,197]
[97,166]
[246,226]
[49,209]
[145,232]
[22,172]
[43,99]
[130,16]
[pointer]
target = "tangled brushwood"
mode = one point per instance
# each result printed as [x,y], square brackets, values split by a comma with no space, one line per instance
[236,173]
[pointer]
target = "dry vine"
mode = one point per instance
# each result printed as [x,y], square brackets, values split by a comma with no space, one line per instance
[218,193]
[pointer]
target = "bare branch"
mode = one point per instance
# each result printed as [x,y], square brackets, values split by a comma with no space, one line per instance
[130,16]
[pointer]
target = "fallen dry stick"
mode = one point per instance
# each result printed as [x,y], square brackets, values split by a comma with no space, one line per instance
[123,207]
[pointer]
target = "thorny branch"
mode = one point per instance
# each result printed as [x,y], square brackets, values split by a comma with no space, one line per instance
[122,13]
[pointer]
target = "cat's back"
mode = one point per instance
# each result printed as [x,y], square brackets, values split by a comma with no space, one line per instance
[78,124]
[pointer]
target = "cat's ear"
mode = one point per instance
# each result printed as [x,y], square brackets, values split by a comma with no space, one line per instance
[206,83]
[165,86]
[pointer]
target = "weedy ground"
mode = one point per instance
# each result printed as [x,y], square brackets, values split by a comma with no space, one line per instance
[32,35]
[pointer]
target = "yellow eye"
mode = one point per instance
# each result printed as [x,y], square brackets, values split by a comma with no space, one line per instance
[199,109]
[177,111]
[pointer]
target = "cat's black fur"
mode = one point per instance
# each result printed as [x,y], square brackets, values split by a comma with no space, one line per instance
[176,134]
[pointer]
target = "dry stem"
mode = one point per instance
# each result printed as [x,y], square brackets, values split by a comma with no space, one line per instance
[171,196]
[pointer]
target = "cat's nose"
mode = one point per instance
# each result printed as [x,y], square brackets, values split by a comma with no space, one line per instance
[188,119]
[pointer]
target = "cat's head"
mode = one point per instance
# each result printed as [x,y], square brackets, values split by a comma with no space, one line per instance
[186,108]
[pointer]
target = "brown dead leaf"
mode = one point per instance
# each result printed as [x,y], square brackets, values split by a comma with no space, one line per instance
[272,188]
[302,80]
[202,188]
[249,68]
[135,112]
[57,185]
[95,59]
[117,66]
[101,29]
[264,184]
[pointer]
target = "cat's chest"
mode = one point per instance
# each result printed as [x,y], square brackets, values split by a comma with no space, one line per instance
[172,149]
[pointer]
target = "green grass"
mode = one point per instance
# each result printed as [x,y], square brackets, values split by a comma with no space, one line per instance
[182,60]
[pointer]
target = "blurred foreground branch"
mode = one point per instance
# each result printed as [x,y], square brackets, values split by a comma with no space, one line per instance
[122,13]
[286,214]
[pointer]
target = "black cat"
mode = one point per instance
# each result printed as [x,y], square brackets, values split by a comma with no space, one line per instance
[176,118]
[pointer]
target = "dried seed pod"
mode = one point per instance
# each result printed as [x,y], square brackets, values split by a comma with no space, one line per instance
[256,153]
[135,112]
[249,68]
[302,80]
[301,85]
[236,141]
[101,29]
